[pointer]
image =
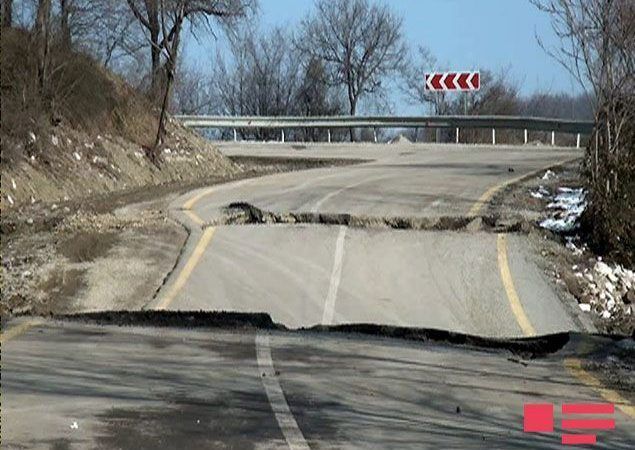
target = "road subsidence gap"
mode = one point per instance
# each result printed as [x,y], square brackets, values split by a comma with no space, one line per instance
[242,213]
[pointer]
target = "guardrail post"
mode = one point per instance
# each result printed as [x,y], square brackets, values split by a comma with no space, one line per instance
[553,138]
[375,135]
[577,141]
[493,136]
[457,135]
[328,132]
[235,135]
[526,137]
[416,133]
[282,134]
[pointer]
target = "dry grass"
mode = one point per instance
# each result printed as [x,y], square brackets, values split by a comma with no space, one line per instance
[79,93]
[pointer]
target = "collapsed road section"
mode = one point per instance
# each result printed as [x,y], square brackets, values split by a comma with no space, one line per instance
[316,388]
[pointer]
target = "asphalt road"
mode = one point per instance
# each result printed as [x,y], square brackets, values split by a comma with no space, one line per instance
[68,385]
[307,274]
[78,386]
[403,180]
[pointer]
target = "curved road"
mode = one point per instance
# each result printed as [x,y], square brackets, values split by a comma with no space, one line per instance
[247,383]
[306,274]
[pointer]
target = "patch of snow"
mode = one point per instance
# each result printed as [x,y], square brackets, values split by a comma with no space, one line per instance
[11,202]
[32,137]
[54,140]
[536,194]
[77,156]
[569,204]
[89,145]
[585,307]
[13,185]
[549,174]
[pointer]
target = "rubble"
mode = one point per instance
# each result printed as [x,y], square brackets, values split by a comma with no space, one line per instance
[608,290]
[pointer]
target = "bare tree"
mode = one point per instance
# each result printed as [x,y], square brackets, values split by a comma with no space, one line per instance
[147,13]
[263,77]
[110,32]
[413,82]
[315,97]
[41,37]
[164,22]
[66,9]
[558,105]
[192,92]
[498,96]
[7,13]
[360,43]
[597,38]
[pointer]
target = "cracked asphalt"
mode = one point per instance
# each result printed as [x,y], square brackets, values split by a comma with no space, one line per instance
[73,385]
[96,385]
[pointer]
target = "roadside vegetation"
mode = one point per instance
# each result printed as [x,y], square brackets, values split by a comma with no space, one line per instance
[598,48]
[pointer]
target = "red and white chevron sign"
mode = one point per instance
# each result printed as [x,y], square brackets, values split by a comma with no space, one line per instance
[453,81]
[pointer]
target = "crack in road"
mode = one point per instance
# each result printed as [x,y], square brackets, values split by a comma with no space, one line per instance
[243,213]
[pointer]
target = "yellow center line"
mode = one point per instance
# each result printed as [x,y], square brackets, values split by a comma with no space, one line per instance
[510,289]
[18,330]
[574,366]
[194,217]
[192,201]
[188,268]
[489,194]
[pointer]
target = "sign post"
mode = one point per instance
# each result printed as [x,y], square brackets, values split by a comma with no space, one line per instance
[453,82]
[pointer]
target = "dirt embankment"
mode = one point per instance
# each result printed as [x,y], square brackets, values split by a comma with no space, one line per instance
[75,165]
[85,131]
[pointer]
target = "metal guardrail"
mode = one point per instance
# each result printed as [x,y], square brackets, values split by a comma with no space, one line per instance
[339,122]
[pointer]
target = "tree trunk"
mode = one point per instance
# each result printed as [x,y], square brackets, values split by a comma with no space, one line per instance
[7,13]
[65,29]
[41,37]
[353,110]
[152,8]
[170,68]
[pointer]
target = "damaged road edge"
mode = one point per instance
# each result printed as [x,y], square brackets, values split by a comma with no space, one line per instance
[539,346]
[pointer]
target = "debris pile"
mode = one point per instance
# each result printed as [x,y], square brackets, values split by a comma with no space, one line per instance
[608,290]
